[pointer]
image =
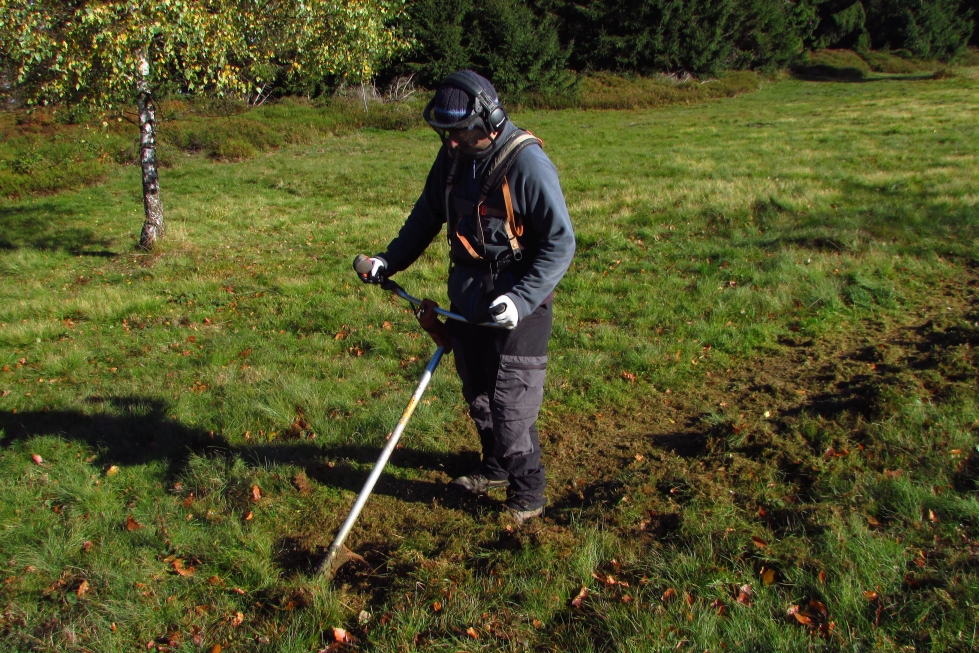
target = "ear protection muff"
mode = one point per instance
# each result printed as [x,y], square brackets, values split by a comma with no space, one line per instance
[490,109]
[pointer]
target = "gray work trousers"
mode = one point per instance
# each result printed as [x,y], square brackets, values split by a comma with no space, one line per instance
[503,374]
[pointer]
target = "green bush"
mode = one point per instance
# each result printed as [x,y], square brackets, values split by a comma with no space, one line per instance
[39,153]
[517,49]
[235,149]
[211,135]
[610,91]
[524,45]
[969,57]
[842,25]
[832,64]
[931,29]
[650,35]
[886,62]
[772,34]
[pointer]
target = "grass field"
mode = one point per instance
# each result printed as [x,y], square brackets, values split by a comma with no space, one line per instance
[760,428]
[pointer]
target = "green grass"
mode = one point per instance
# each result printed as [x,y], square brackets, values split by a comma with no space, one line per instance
[853,66]
[755,340]
[44,151]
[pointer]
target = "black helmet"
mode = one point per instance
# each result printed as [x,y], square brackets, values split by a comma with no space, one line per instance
[463,100]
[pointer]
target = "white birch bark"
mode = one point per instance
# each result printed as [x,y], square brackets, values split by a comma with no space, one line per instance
[153,227]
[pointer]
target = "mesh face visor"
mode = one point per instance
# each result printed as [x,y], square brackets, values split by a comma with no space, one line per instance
[473,121]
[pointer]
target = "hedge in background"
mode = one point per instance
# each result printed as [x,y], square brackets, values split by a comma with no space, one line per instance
[931,29]
[524,45]
[518,49]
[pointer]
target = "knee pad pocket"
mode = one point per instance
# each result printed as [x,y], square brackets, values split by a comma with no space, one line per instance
[519,388]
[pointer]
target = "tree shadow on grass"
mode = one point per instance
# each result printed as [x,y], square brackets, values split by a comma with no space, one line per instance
[823,73]
[49,227]
[138,431]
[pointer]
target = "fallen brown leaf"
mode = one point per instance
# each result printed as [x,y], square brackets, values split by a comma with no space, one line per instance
[256,493]
[178,566]
[870,596]
[238,619]
[822,576]
[132,524]
[341,636]
[472,632]
[582,595]
[82,589]
[760,543]
[437,606]
[802,618]
[744,596]
[249,516]
[112,471]
[87,546]
[668,594]
[216,648]
[767,576]
[37,459]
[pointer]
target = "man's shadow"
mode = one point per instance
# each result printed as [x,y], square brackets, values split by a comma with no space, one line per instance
[138,431]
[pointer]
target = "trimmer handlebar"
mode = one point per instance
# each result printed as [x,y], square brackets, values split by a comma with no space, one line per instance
[363,266]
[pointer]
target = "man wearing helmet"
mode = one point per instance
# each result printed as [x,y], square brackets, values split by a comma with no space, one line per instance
[510,241]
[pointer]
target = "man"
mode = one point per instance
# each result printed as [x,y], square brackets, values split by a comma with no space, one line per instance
[511,241]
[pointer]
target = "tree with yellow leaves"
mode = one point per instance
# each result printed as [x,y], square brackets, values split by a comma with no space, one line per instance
[106,54]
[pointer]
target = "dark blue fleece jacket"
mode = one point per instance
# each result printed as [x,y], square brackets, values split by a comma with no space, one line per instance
[548,237]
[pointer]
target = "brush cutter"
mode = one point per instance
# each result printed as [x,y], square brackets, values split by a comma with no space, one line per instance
[337,554]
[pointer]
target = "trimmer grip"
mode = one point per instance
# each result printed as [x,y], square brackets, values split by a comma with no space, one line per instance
[362,264]
[499,309]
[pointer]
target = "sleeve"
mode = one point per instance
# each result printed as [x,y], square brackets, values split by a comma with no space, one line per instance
[538,197]
[423,223]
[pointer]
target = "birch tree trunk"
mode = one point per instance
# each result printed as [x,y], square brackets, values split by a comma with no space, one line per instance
[153,225]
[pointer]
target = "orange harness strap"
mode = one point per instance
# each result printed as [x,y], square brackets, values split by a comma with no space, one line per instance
[512,228]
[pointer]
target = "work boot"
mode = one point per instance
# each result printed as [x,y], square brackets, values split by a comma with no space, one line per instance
[477,482]
[521,512]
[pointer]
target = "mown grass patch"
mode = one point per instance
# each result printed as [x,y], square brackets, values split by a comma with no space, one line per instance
[767,333]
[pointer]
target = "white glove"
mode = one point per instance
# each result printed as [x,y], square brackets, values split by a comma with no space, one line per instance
[507,318]
[378,266]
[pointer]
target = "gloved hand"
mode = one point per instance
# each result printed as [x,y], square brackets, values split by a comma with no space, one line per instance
[507,316]
[377,274]
[429,320]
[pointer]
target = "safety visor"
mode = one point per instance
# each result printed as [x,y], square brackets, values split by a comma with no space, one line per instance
[472,121]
